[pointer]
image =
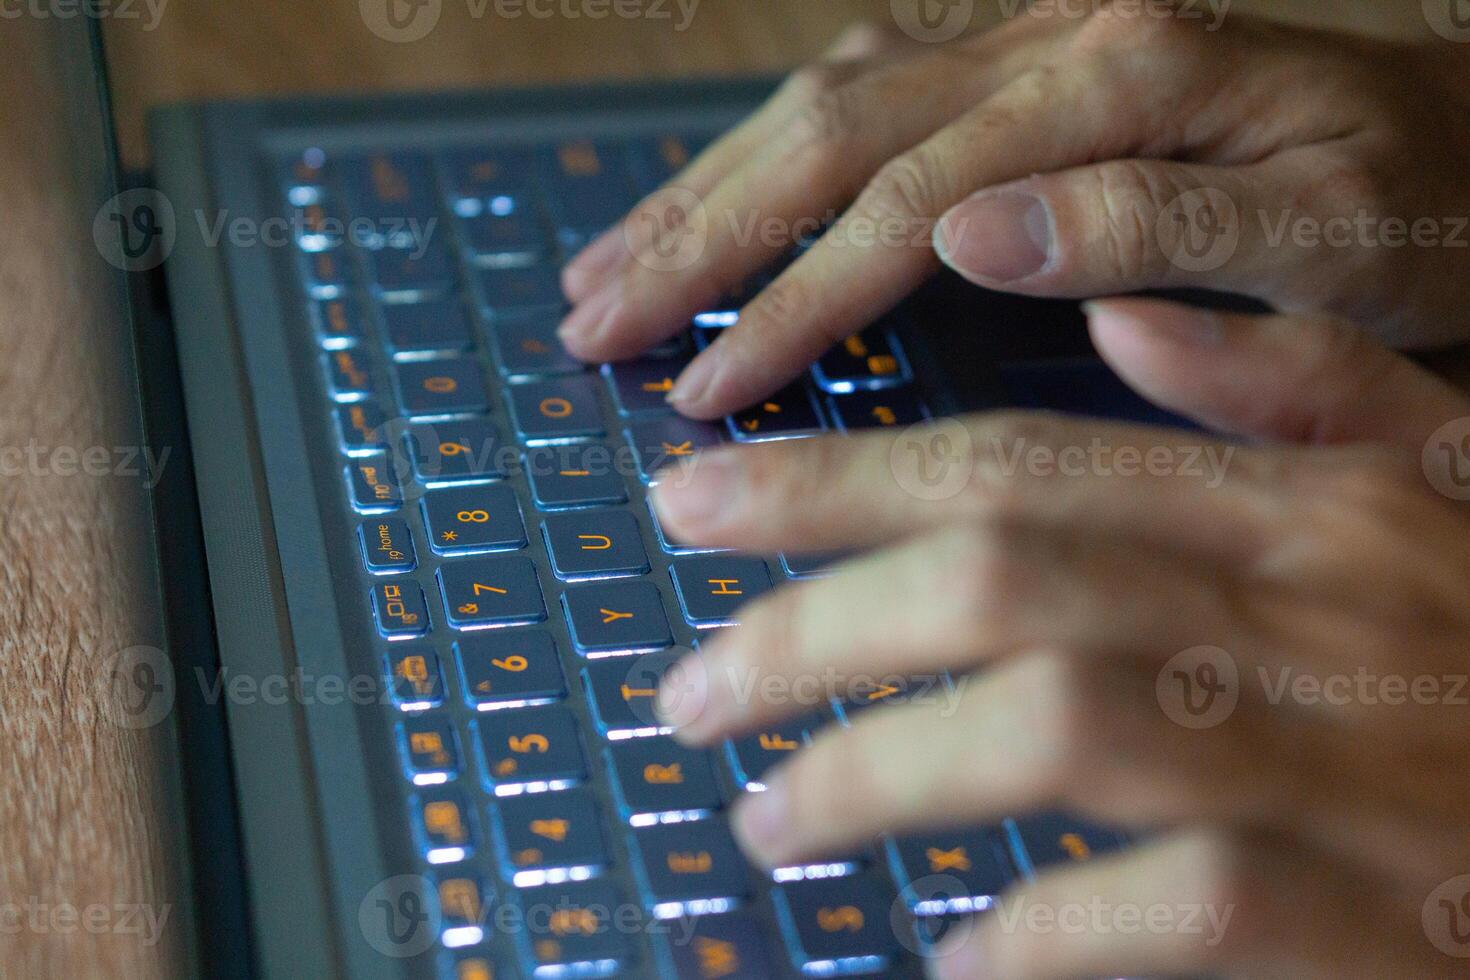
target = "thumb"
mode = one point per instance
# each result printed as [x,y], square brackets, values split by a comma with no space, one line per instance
[1298,379]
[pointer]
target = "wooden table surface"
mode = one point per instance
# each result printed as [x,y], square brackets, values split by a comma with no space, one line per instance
[84,813]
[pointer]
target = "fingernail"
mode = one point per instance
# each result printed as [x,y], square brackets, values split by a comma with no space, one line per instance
[959,956]
[1170,321]
[683,694]
[996,237]
[696,379]
[588,318]
[585,273]
[762,819]
[703,490]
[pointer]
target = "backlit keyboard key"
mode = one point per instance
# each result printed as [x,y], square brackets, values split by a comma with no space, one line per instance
[949,872]
[430,750]
[594,544]
[400,609]
[616,617]
[388,187]
[504,292]
[869,360]
[642,386]
[812,564]
[566,477]
[432,327]
[872,692]
[453,386]
[712,589]
[550,837]
[327,274]
[837,926]
[387,546]
[504,229]
[510,668]
[754,755]
[474,966]
[415,678]
[479,173]
[407,273]
[551,411]
[372,484]
[306,176]
[691,868]
[655,160]
[669,441]
[485,592]
[444,826]
[349,374]
[360,426]
[462,520]
[526,346]
[788,414]
[338,323]
[461,910]
[722,947]
[587,187]
[531,750]
[579,929]
[897,408]
[320,227]
[1052,838]
[457,451]
[657,778]
[622,690]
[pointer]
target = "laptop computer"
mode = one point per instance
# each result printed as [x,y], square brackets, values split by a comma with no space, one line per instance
[417,599]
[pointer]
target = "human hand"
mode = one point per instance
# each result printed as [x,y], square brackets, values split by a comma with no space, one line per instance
[1067,157]
[1324,825]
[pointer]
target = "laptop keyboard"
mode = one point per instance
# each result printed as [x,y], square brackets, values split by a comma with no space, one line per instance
[526,601]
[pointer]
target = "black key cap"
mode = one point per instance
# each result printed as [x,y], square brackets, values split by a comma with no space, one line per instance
[669,441]
[444,826]
[571,929]
[814,564]
[656,777]
[574,476]
[464,520]
[453,386]
[863,362]
[373,485]
[504,230]
[594,544]
[305,176]
[360,427]
[486,592]
[897,408]
[691,868]
[461,910]
[951,872]
[550,411]
[504,292]
[587,189]
[327,274]
[1061,838]
[642,386]
[863,693]
[526,346]
[384,186]
[349,375]
[415,678]
[320,227]
[387,546]
[400,609]
[457,451]
[722,947]
[616,617]
[338,323]
[711,589]
[837,926]
[754,755]
[433,327]
[653,161]
[408,273]
[788,414]
[430,751]
[548,837]
[474,966]
[531,750]
[622,691]
[509,669]
[479,173]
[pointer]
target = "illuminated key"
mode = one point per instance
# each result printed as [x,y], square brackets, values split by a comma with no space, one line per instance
[457,451]
[574,933]
[415,678]
[622,690]
[373,484]
[400,609]
[593,544]
[657,778]
[387,546]
[1053,838]
[575,476]
[349,374]
[430,751]
[360,427]
[691,867]
[754,755]
[549,837]
[642,386]
[866,361]
[722,947]
[461,910]
[531,750]
[672,441]
[417,270]
[951,872]
[556,411]
[789,414]
[895,409]
[711,589]
[615,617]
[526,346]
[504,292]
[487,592]
[450,386]
[841,925]
[510,668]
[436,326]
[465,520]
[338,323]
[444,826]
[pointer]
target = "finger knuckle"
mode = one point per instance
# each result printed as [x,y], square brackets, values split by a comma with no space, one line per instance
[1002,442]
[810,82]
[825,130]
[909,187]
[1116,27]
[1132,196]
[981,571]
